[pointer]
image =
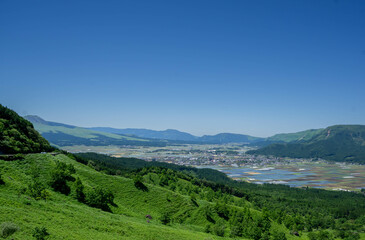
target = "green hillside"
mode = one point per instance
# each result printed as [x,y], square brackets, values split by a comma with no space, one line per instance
[175,214]
[17,135]
[345,143]
[294,137]
[67,135]
[180,206]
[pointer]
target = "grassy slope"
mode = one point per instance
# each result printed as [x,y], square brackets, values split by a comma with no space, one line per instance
[298,136]
[65,218]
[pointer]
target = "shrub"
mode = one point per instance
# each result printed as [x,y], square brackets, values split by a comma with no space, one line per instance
[100,198]
[219,228]
[139,184]
[165,218]
[60,175]
[1,180]
[79,190]
[7,229]
[37,190]
[208,228]
[276,235]
[40,233]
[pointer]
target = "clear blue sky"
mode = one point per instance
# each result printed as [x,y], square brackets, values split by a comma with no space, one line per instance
[252,67]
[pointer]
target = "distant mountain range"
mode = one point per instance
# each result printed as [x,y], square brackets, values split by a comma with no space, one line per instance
[175,135]
[60,134]
[345,143]
[169,134]
[337,143]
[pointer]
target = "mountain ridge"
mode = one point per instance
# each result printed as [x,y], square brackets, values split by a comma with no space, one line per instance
[343,143]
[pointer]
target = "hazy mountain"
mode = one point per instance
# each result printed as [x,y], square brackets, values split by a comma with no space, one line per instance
[169,134]
[175,135]
[229,138]
[336,143]
[67,135]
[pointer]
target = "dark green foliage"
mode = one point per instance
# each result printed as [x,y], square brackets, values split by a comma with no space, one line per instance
[1,180]
[344,143]
[219,228]
[222,210]
[40,233]
[17,135]
[111,165]
[37,190]
[277,235]
[60,175]
[320,235]
[208,228]
[79,190]
[193,200]
[99,198]
[139,184]
[7,229]
[165,218]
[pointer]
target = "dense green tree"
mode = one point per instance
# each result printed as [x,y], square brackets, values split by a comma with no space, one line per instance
[17,135]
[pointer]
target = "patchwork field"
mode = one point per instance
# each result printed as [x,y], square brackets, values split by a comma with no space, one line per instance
[335,176]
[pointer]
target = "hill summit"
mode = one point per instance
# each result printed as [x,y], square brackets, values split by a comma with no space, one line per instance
[18,135]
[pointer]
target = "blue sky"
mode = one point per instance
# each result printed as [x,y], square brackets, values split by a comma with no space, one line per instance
[251,67]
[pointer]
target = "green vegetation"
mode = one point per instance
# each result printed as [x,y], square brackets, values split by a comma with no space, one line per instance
[92,196]
[298,209]
[7,229]
[343,143]
[65,217]
[17,135]
[40,233]
[295,137]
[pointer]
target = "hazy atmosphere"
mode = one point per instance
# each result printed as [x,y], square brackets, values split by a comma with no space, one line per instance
[251,67]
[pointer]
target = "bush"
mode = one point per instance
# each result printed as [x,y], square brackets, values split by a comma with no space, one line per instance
[208,228]
[40,233]
[100,198]
[7,229]
[276,235]
[79,190]
[219,228]
[60,175]
[1,180]
[165,218]
[139,184]
[37,190]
